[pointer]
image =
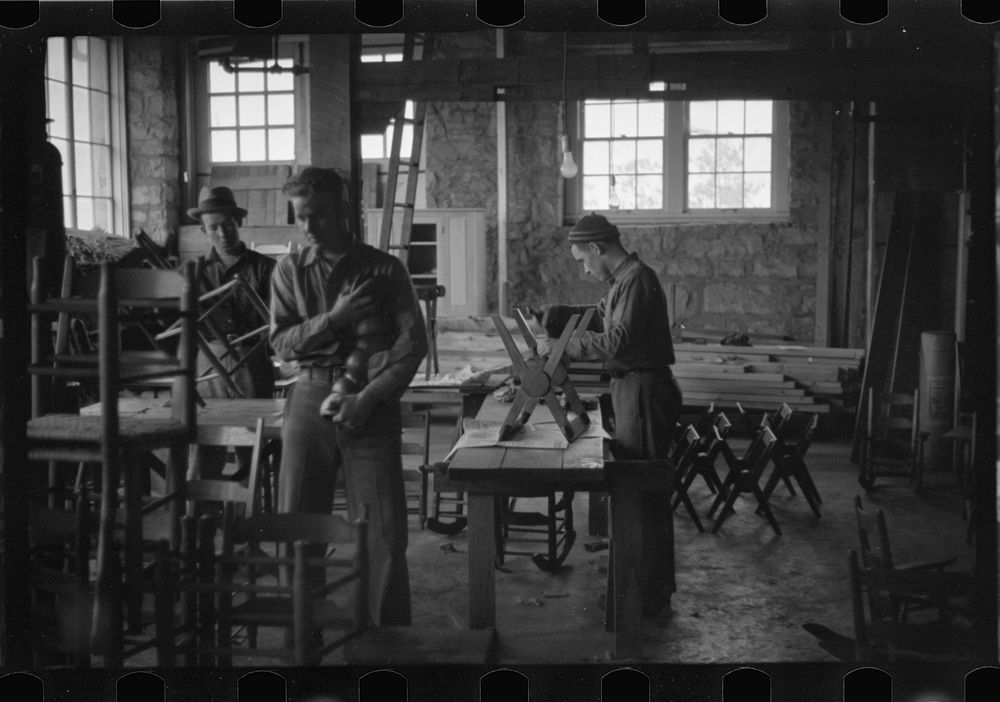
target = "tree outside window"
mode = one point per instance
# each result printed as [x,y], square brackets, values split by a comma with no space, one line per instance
[672,158]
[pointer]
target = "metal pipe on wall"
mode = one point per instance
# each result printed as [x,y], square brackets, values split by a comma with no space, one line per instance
[502,302]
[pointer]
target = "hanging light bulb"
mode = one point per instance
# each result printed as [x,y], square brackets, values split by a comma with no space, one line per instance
[568,167]
[613,202]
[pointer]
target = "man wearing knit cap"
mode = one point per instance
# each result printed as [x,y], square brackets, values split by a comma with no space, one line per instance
[220,218]
[631,335]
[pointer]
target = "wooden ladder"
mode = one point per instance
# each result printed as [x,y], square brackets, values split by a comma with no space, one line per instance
[428,294]
[896,327]
[390,203]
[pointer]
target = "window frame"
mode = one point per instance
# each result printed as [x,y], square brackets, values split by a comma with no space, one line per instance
[300,105]
[117,134]
[675,172]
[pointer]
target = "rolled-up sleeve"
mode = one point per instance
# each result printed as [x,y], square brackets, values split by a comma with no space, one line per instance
[391,373]
[292,334]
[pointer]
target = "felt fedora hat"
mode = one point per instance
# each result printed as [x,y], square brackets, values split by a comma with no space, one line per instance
[216,199]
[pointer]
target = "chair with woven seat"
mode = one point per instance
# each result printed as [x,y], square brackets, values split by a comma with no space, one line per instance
[876,551]
[881,635]
[107,440]
[892,443]
[238,587]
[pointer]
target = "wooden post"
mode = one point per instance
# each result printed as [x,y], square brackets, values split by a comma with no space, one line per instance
[482,554]
[503,304]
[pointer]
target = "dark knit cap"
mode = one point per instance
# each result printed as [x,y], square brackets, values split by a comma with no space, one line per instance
[592,227]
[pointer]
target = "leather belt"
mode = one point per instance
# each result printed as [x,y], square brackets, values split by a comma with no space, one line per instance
[329,374]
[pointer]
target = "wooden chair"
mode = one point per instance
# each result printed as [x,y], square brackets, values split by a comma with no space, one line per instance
[892,444]
[744,477]
[275,250]
[106,439]
[416,453]
[238,350]
[789,464]
[710,446]
[683,456]
[882,636]
[552,527]
[876,551]
[447,509]
[238,588]
[429,294]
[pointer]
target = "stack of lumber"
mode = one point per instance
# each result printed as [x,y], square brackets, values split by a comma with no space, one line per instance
[760,377]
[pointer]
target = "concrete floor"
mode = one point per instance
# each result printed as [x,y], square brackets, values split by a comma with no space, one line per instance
[742,594]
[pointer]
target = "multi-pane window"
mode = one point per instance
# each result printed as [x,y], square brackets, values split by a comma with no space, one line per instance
[252,113]
[729,154]
[82,84]
[652,157]
[623,154]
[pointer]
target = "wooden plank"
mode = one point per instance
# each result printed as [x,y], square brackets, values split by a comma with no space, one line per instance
[786,390]
[746,382]
[752,378]
[538,464]
[764,403]
[257,206]
[694,367]
[793,369]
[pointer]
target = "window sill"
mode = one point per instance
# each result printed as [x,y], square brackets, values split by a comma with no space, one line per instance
[632,218]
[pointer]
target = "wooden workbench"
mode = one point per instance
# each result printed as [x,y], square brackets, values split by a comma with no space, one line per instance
[486,473]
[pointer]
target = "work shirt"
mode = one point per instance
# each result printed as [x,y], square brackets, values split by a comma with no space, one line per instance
[633,330]
[237,316]
[305,287]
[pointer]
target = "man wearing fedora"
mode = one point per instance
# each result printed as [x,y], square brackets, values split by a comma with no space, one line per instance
[631,336]
[220,220]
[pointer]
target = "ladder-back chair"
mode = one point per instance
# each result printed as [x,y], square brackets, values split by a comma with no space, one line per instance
[108,440]
[266,576]
[893,443]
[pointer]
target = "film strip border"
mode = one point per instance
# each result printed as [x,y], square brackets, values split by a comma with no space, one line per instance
[713,683]
[146,14]
[780,683]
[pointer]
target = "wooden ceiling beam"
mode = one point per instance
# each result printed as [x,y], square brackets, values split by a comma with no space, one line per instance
[813,74]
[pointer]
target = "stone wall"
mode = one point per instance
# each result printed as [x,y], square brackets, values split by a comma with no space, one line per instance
[735,277]
[153,135]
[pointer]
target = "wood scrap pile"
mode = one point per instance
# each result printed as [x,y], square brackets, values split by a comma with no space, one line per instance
[760,377]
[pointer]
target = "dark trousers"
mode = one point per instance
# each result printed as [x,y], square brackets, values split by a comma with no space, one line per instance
[647,406]
[314,449]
